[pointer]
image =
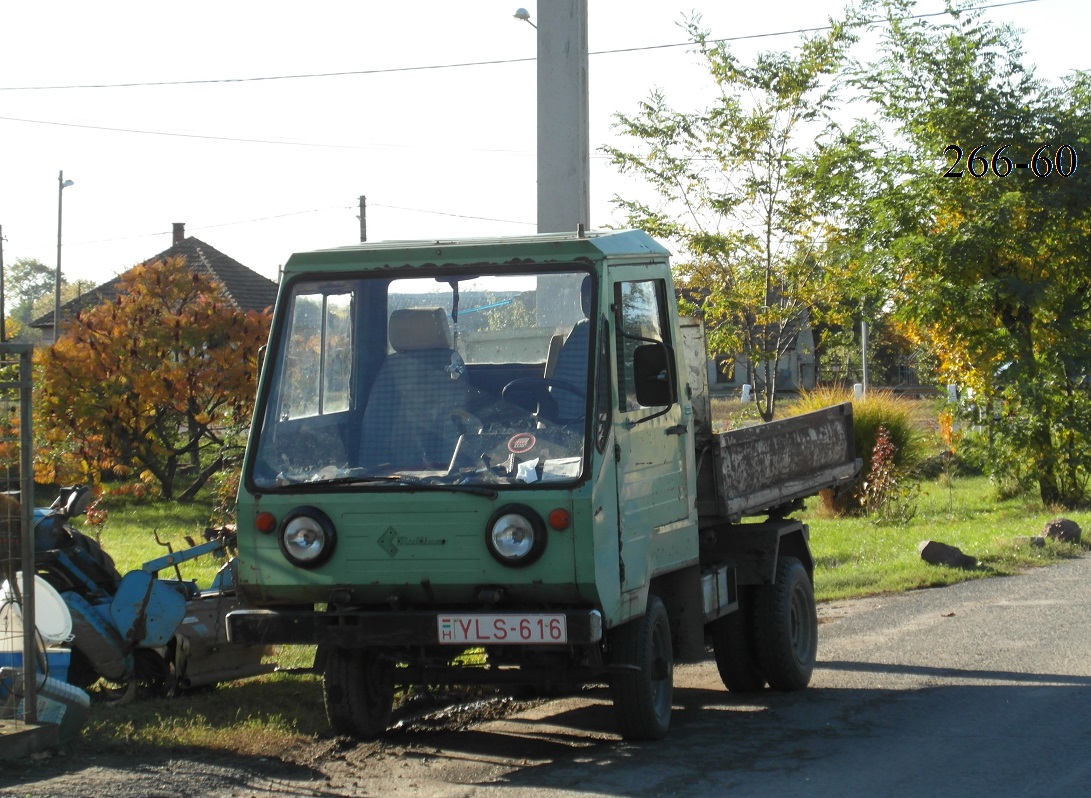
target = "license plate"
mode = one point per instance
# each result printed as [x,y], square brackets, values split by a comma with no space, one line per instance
[507,629]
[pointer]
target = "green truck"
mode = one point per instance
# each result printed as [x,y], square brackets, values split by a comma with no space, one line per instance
[492,462]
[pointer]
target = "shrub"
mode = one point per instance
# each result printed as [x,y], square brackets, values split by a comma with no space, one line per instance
[900,417]
[886,496]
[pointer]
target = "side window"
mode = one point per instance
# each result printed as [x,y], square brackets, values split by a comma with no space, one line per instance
[640,310]
[318,363]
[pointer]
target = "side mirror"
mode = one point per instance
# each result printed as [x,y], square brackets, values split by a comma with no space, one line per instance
[654,375]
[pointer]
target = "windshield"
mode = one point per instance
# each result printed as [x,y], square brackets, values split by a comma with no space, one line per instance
[471,379]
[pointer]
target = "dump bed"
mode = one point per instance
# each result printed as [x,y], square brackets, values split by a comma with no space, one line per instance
[752,470]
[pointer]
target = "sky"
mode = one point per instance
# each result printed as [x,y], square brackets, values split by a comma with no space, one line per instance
[436,125]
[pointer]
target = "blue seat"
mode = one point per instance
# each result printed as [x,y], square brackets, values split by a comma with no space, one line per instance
[571,369]
[407,422]
[571,364]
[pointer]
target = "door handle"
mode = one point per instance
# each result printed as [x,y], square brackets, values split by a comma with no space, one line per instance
[677,429]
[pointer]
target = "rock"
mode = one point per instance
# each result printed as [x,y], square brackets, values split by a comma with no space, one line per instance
[935,553]
[1063,530]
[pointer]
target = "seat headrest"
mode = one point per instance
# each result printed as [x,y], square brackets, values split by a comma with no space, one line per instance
[412,329]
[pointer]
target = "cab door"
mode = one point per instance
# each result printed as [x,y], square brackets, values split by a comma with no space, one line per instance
[653,445]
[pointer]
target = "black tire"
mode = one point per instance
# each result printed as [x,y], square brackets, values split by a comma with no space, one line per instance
[358,690]
[97,555]
[735,647]
[81,673]
[786,627]
[643,694]
[147,681]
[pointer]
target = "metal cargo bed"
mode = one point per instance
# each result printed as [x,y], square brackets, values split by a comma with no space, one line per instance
[754,470]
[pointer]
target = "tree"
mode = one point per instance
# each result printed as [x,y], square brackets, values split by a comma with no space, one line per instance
[737,195]
[993,265]
[30,292]
[161,377]
[25,281]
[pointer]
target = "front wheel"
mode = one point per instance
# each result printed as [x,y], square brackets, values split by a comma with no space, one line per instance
[644,691]
[786,631]
[358,690]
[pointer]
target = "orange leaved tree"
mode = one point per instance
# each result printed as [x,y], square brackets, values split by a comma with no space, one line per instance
[160,382]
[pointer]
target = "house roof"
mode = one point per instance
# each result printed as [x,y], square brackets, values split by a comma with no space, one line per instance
[245,288]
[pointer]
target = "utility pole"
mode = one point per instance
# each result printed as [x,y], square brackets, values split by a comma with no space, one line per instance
[363,218]
[564,193]
[62,184]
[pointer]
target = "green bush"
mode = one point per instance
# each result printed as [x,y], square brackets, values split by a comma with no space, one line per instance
[905,427]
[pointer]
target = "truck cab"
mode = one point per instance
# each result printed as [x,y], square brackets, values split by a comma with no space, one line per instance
[486,446]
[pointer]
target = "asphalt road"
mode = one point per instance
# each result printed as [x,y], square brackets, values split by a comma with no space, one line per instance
[980,689]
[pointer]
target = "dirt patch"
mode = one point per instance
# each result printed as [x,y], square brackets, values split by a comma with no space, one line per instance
[325,767]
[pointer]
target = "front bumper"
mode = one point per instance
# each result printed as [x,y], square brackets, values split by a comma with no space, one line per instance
[360,629]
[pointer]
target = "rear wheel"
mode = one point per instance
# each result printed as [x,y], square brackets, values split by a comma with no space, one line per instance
[644,691]
[734,645]
[97,555]
[786,630]
[358,689]
[148,680]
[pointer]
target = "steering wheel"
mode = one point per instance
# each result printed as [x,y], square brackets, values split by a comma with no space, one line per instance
[540,389]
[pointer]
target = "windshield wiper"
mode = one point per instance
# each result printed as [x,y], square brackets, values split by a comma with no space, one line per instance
[412,483]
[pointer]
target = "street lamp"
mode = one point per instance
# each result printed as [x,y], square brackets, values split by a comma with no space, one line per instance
[524,15]
[62,184]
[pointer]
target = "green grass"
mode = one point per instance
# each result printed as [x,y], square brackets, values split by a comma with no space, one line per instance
[272,714]
[264,716]
[856,557]
[129,532]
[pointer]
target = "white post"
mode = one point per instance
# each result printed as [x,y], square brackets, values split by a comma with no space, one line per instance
[564,194]
[863,356]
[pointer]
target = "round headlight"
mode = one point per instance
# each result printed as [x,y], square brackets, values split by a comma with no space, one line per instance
[516,535]
[307,537]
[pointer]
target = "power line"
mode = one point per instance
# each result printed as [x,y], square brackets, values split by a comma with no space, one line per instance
[199,227]
[453,215]
[289,143]
[460,65]
[184,135]
[195,135]
[283,142]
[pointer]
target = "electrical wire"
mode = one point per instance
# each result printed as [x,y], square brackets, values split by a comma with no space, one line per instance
[323,145]
[378,146]
[207,137]
[200,227]
[495,62]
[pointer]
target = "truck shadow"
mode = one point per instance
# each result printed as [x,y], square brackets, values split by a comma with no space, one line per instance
[718,739]
[957,673]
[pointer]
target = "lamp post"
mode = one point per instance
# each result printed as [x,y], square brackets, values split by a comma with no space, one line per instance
[564,182]
[523,14]
[62,184]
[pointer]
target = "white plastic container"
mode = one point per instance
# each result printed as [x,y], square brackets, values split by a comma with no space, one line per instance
[51,615]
